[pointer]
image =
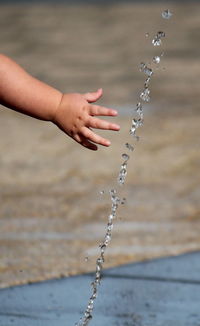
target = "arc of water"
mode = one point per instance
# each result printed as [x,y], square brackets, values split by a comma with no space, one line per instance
[115,200]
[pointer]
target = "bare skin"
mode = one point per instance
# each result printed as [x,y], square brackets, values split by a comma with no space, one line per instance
[73,113]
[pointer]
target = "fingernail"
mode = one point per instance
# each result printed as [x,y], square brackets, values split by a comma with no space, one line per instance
[108,143]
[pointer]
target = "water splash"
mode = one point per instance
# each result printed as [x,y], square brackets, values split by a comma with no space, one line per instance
[115,199]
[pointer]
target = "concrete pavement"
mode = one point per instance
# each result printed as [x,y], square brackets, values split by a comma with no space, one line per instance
[160,292]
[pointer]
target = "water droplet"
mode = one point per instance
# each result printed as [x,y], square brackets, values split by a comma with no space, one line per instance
[139,106]
[156,59]
[160,34]
[98,277]
[166,14]
[129,146]
[140,122]
[123,201]
[98,268]
[139,109]
[107,238]
[125,157]
[144,95]
[100,260]
[112,192]
[147,82]
[132,131]
[109,227]
[122,176]
[142,66]
[102,192]
[162,54]
[147,34]
[94,295]
[110,218]
[86,258]
[103,247]
[135,124]
[148,71]
[156,41]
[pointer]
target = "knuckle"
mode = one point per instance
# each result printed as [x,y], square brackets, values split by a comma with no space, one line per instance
[88,121]
[106,125]
[95,123]
[74,129]
[86,133]
[98,109]
[85,108]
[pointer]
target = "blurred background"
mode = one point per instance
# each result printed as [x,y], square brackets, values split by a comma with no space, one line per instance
[52,215]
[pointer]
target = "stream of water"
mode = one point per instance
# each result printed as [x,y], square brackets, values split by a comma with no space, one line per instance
[116,200]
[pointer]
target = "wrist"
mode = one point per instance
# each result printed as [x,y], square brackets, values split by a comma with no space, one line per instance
[56,108]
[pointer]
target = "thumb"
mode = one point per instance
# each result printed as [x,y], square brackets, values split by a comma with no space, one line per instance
[93,96]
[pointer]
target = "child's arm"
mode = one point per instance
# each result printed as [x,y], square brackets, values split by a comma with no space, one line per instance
[72,113]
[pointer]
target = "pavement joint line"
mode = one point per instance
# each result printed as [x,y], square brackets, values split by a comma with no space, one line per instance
[19,315]
[152,278]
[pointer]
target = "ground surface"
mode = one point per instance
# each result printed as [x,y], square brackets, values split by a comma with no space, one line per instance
[51,213]
[163,292]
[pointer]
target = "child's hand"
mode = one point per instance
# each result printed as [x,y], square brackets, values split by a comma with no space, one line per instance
[76,116]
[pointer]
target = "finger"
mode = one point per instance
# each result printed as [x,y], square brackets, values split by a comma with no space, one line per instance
[90,135]
[102,124]
[84,142]
[93,96]
[100,110]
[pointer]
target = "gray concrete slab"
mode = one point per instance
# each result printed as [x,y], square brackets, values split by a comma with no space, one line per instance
[185,267]
[162,292]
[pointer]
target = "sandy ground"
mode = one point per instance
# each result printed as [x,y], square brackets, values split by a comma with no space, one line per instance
[52,215]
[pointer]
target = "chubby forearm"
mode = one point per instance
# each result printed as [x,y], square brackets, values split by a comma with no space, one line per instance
[74,113]
[26,94]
